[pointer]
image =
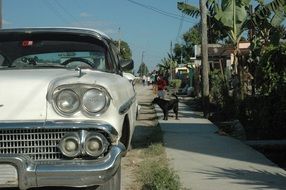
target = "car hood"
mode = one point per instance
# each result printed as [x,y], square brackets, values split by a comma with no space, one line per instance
[23,93]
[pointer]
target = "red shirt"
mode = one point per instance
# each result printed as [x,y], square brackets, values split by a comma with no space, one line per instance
[161,84]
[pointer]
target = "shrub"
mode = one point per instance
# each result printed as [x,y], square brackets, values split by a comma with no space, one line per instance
[158,176]
[175,83]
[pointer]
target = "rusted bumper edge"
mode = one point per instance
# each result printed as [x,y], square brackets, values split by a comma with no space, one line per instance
[69,173]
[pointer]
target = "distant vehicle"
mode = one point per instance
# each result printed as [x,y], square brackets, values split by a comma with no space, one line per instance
[67,114]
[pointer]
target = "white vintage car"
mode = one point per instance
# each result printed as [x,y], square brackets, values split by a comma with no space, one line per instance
[67,114]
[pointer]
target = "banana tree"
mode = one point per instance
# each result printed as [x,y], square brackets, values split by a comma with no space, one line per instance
[233,18]
[266,21]
[230,17]
[168,66]
[216,30]
[233,15]
[266,30]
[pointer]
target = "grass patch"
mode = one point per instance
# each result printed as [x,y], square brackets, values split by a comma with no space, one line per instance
[154,150]
[157,176]
[154,172]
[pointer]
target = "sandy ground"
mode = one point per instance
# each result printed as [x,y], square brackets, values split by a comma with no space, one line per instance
[147,120]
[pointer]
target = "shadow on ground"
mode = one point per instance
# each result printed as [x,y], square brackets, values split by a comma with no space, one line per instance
[261,178]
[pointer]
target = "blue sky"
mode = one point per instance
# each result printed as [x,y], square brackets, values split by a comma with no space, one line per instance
[147,26]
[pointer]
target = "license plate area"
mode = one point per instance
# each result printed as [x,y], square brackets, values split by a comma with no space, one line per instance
[8,176]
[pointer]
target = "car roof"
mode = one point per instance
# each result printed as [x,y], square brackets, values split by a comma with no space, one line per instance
[72,30]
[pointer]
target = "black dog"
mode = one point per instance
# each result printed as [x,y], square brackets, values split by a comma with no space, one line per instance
[166,105]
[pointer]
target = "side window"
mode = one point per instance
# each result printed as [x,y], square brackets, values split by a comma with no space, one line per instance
[2,59]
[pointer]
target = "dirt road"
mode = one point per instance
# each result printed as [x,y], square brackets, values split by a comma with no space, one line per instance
[145,124]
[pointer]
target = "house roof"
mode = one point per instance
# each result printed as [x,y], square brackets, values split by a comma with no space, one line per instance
[224,51]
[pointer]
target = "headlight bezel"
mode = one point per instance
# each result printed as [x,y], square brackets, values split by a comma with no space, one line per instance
[63,143]
[80,90]
[102,141]
[59,109]
[103,109]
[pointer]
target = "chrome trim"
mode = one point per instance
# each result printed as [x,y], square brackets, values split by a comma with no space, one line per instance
[56,107]
[62,124]
[125,107]
[75,136]
[78,69]
[107,103]
[103,142]
[68,173]
[79,89]
[39,140]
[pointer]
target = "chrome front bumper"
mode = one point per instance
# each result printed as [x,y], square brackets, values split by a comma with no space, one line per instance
[25,171]
[69,173]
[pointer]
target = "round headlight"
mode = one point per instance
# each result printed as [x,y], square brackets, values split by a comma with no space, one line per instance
[70,146]
[67,101]
[94,100]
[95,145]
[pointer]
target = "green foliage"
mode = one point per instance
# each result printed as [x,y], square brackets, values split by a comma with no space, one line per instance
[154,149]
[264,115]
[271,71]
[168,63]
[216,87]
[125,50]
[157,176]
[143,70]
[190,38]
[216,30]
[168,66]
[232,17]
[226,106]
[188,9]
[272,12]
[175,83]
[193,36]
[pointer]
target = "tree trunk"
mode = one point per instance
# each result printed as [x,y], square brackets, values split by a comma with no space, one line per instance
[205,64]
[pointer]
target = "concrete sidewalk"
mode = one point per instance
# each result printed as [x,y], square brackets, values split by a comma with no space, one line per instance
[204,160]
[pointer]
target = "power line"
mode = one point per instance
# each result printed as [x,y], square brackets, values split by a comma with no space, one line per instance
[67,12]
[181,24]
[165,13]
[55,11]
[180,27]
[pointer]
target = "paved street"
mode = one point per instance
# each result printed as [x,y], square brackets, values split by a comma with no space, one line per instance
[206,160]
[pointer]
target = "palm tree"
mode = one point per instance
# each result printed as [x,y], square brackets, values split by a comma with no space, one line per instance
[168,65]
[143,70]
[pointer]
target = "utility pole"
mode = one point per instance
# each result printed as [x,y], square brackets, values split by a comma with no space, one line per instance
[119,40]
[171,63]
[142,64]
[1,19]
[205,64]
[171,49]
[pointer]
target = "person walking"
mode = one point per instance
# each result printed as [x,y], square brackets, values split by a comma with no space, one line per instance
[144,80]
[161,84]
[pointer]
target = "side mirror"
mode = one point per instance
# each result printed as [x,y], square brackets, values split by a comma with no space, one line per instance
[127,64]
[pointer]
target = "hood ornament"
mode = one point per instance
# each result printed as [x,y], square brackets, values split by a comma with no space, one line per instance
[79,71]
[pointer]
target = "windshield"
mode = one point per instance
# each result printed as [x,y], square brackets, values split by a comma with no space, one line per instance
[30,54]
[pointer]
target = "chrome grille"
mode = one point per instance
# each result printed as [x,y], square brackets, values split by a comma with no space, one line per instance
[38,144]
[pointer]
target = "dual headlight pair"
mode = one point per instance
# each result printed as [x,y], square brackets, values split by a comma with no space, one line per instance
[94,144]
[68,101]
